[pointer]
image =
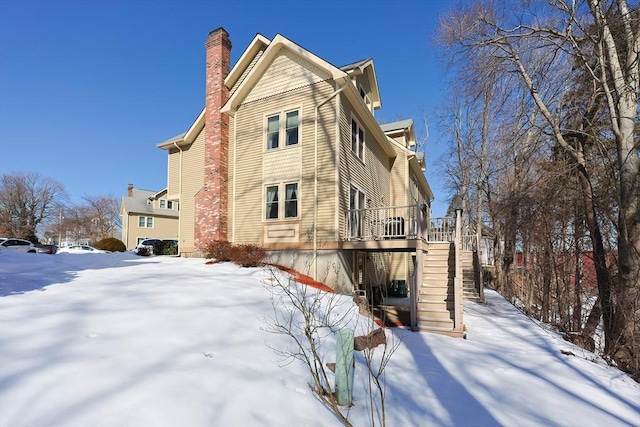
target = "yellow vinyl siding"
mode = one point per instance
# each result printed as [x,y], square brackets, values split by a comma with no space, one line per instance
[192,182]
[163,228]
[399,179]
[286,72]
[249,174]
[173,184]
[246,72]
[372,176]
[326,209]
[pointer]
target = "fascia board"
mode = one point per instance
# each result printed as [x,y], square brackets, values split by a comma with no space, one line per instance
[373,81]
[258,42]
[188,137]
[159,193]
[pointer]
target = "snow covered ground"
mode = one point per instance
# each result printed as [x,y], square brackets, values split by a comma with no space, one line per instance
[121,340]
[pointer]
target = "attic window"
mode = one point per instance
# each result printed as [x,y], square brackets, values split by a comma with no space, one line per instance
[365,98]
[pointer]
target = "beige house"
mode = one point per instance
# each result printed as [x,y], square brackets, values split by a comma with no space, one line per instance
[287,154]
[147,214]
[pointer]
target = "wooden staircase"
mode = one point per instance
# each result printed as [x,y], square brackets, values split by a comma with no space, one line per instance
[435,310]
[470,277]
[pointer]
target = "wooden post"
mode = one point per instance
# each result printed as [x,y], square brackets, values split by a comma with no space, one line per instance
[457,281]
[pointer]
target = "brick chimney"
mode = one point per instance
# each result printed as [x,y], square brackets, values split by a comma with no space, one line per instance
[130,190]
[212,200]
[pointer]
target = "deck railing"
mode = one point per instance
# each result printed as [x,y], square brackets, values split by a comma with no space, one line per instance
[394,222]
[441,229]
[402,222]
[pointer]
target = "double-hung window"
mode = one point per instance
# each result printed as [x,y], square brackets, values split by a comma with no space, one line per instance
[272,202]
[287,210]
[283,128]
[357,139]
[145,222]
[291,200]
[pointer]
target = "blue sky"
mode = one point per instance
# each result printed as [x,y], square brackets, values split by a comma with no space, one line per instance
[88,88]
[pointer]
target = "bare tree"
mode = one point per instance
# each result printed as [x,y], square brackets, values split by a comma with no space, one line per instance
[102,216]
[548,46]
[27,199]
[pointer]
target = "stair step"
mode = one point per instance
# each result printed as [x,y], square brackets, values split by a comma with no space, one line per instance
[434,314]
[444,324]
[448,331]
[435,292]
[435,306]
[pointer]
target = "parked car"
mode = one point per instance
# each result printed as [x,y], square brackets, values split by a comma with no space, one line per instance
[81,249]
[46,249]
[157,247]
[17,245]
[147,244]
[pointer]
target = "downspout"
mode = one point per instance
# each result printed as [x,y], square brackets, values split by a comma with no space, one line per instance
[175,144]
[315,181]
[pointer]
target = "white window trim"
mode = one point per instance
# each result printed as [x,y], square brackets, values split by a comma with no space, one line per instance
[146,219]
[364,143]
[282,188]
[355,220]
[282,129]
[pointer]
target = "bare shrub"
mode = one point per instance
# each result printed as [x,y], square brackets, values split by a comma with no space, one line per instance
[218,250]
[311,318]
[247,255]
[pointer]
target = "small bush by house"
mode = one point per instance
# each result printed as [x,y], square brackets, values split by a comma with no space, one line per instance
[218,250]
[247,255]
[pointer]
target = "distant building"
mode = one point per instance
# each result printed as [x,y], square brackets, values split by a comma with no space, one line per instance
[147,214]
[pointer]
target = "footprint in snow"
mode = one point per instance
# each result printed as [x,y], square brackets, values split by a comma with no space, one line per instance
[210,354]
[91,335]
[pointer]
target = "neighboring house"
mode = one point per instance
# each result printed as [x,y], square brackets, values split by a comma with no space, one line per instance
[287,154]
[148,214]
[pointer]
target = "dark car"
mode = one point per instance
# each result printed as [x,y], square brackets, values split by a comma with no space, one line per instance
[157,247]
[46,249]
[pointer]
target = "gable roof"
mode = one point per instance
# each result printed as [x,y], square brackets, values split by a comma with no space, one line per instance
[400,125]
[187,137]
[278,43]
[365,66]
[270,49]
[139,203]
